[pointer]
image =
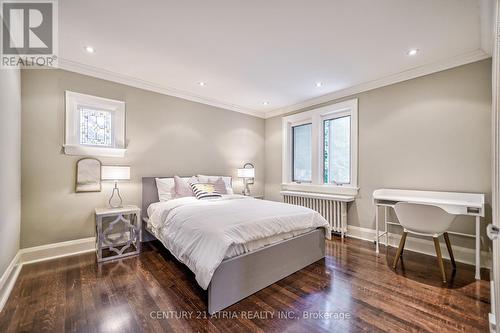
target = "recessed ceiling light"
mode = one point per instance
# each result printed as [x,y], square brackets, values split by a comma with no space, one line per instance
[265,103]
[201,83]
[319,84]
[412,52]
[89,49]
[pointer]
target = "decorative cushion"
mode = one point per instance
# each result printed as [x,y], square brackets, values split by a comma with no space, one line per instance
[212,179]
[182,187]
[204,191]
[220,186]
[166,187]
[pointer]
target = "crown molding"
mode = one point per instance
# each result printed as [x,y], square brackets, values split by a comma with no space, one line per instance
[487,24]
[412,73]
[100,73]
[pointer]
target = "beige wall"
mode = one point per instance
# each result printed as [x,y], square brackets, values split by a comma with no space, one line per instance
[428,133]
[166,136]
[10,168]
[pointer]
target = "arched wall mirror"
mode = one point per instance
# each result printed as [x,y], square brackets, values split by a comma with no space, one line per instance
[88,175]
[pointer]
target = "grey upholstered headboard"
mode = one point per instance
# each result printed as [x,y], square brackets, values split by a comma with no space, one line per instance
[149,194]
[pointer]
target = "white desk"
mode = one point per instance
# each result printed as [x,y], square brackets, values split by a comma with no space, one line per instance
[452,202]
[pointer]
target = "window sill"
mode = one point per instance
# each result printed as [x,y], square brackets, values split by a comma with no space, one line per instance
[93,151]
[314,195]
[326,189]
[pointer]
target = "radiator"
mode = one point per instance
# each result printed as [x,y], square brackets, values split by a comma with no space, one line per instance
[330,207]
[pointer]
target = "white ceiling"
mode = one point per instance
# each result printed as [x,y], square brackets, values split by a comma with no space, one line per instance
[249,52]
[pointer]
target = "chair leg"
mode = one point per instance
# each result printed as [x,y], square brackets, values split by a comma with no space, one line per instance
[450,250]
[400,249]
[439,258]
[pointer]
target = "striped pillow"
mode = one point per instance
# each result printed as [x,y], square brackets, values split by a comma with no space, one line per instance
[204,191]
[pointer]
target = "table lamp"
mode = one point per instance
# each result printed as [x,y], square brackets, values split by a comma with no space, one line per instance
[248,175]
[115,173]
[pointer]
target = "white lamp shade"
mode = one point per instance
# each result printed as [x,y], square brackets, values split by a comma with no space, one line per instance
[246,173]
[110,172]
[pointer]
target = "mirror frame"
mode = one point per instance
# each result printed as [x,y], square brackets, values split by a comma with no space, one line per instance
[76,175]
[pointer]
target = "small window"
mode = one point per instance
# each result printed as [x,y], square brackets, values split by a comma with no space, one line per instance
[95,126]
[302,157]
[337,150]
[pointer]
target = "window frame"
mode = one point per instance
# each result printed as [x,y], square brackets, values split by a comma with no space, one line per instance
[325,118]
[316,118]
[303,123]
[72,146]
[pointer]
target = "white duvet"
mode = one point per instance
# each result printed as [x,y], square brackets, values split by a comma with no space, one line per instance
[200,232]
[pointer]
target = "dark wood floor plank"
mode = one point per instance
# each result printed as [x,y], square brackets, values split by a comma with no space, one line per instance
[153,292]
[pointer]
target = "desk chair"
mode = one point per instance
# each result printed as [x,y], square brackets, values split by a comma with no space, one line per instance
[424,220]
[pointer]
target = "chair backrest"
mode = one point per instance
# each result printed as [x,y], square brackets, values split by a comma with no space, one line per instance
[423,219]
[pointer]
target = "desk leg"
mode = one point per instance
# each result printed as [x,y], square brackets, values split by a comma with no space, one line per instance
[385,227]
[478,249]
[376,229]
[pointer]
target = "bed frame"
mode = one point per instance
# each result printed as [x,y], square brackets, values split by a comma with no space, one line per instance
[241,276]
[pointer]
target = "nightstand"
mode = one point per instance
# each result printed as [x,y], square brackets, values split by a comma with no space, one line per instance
[118,232]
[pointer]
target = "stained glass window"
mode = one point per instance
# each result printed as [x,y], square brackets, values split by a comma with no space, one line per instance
[95,127]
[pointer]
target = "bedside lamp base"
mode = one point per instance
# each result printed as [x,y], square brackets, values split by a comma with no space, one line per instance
[246,188]
[115,202]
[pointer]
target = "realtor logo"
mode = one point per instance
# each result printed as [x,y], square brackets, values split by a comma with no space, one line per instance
[29,34]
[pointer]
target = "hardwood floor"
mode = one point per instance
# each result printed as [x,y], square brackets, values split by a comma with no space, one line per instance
[154,293]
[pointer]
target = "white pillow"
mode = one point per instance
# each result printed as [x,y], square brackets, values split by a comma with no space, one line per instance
[166,187]
[212,179]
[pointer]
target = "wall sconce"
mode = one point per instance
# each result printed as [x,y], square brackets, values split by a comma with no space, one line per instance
[248,175]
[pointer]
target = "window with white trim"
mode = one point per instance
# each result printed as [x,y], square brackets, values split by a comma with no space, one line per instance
[94,126]
[301,165]
[320,149]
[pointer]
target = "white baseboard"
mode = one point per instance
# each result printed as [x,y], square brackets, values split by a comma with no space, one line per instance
[37,254]
[57,250]
[8,279]
[462,254]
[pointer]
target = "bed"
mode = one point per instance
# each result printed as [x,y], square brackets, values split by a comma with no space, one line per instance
[235,245]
